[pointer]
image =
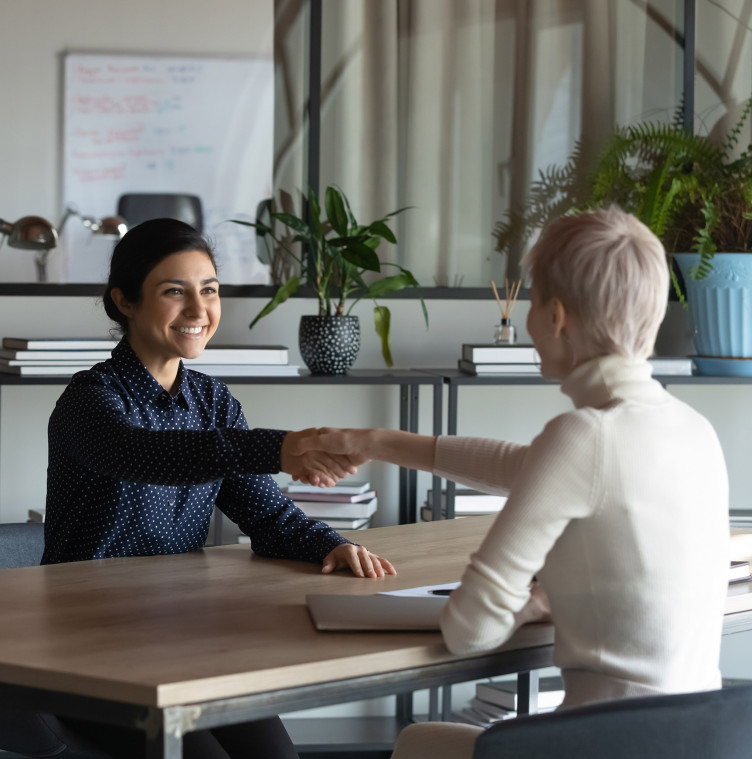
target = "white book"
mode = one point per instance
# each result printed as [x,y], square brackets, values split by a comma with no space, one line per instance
[676,366]
[60,370]
[46,362]
[244,370]
[491,712]
[337,509]
[488,353]
[348,524]
[470,716]
[469,367]
[242,354]
[467,501]
[504,693]
[59,343]
[330,497]
[57,355]
[343,486]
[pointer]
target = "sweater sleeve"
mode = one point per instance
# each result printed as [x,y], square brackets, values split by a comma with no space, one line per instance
[553,481]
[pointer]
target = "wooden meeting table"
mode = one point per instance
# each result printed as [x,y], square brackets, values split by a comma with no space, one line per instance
[171,644]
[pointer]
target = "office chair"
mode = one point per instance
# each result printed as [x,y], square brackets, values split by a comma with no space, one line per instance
[136,207]
[32,734]
[709,725]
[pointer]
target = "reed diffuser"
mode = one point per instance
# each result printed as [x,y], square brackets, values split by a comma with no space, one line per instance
[505,333]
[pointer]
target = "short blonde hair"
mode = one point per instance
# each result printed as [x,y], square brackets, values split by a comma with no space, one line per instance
[611,271]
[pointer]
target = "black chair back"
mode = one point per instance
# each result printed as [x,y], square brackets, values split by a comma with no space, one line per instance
[708,725]
[136,207]
[21,544]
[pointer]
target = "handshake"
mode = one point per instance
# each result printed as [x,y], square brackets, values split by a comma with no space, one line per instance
[322,455]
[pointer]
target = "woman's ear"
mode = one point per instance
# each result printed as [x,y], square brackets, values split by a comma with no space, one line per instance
[558,317]
[124,306]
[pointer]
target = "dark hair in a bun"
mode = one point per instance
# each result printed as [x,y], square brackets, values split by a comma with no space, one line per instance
[140,250]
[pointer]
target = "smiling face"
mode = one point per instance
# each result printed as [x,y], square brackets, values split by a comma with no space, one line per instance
[178,312]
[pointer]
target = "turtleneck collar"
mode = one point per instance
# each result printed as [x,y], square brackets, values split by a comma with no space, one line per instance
[602,380]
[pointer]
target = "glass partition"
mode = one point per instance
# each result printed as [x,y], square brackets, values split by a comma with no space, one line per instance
[451,108]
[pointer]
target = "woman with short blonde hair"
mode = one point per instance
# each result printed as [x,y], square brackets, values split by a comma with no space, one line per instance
[610,271]
[619,507]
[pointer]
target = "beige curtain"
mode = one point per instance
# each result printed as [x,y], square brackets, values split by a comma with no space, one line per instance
[453,106]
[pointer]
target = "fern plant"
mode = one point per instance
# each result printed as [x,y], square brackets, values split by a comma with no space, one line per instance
[691,192]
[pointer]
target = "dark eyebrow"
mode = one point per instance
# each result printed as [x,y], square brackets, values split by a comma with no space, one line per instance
[183,283]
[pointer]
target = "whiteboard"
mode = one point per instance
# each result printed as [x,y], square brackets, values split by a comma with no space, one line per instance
[136,123]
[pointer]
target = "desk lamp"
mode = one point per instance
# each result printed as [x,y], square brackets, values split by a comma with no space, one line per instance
[109,226]
[32,233]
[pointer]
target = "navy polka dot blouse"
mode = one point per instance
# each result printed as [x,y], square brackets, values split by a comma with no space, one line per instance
[134,471]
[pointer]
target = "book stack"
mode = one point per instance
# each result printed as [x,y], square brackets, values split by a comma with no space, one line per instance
[52,356]
[741,520]
[667,366]
[485,359]
[496,700]
[466,503]
[244,361]
[345,506]
[739,571]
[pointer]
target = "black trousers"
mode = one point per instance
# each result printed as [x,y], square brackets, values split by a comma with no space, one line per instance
[262,739]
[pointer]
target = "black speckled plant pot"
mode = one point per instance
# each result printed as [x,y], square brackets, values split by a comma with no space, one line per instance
[329,344]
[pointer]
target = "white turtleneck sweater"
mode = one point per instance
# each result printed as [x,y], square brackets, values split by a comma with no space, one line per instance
[621,509]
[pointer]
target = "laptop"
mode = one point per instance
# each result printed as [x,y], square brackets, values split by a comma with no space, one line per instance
[415,609]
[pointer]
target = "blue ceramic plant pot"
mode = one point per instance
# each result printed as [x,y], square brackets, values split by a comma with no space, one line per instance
[720,305]
[329,344]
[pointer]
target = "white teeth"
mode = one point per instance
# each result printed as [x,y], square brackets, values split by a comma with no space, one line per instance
[188,330]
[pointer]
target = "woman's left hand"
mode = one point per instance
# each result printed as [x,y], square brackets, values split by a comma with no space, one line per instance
[360,560]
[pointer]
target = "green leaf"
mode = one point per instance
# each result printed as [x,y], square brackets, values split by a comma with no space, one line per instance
[398,211]
[315,210]
[289,220]
[381,321]
[335,210]
[360,255]
[247,223]
[382,230]
[350,214]
[388,285]
[284,292]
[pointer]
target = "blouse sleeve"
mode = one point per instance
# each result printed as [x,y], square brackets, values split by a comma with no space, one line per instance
[100,437]
[277,528]
[552,481]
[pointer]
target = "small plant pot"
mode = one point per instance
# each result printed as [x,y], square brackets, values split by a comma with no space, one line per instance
[329,344]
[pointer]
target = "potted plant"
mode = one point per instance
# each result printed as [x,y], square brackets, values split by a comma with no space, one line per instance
[337,255]
[696,196]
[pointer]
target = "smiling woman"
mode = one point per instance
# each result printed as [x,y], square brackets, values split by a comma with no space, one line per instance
[173,311]
[142,449]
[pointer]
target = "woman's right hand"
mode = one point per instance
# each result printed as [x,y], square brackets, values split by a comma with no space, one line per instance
[307,458]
